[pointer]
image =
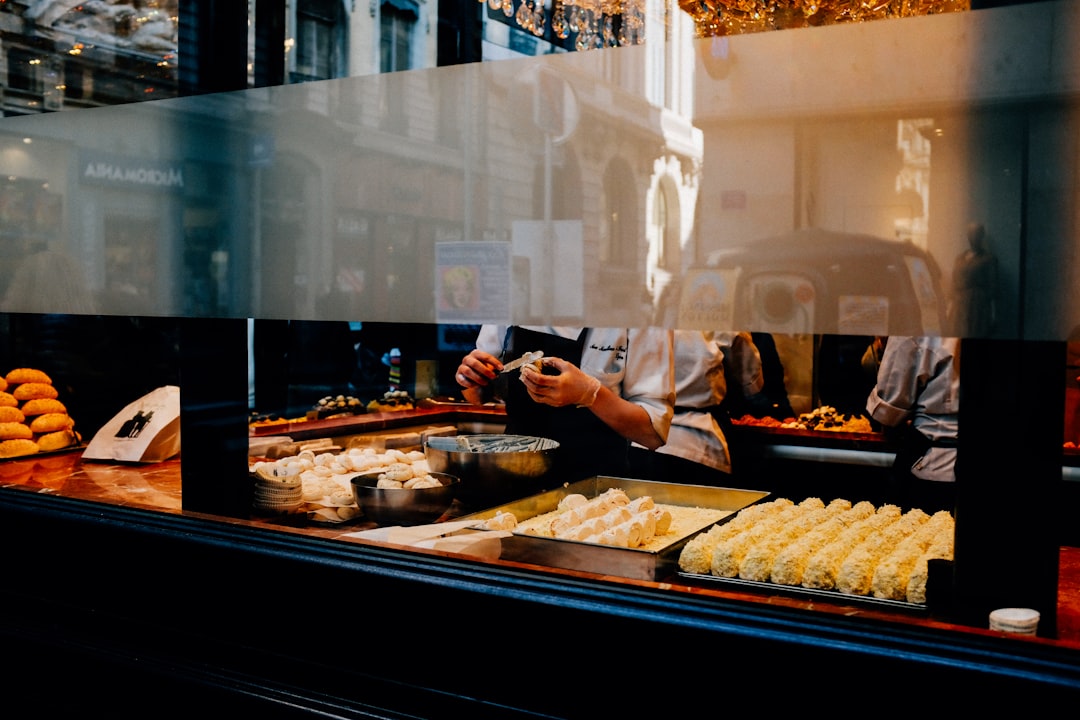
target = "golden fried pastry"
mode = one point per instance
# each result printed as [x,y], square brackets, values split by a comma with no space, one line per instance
[33,391]
[3,384]
[15,431]
[8,400]
[51,422]
[40,406]
[19,376]
[11,414]
[57,440]
[17,448]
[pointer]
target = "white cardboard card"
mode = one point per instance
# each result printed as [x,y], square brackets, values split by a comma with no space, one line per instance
[147,430]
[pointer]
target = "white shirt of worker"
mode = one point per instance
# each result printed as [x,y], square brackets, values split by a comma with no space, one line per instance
[919,378]
[634,363]
[700,383]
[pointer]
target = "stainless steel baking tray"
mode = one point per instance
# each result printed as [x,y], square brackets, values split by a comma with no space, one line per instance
[635,563]
[832,596]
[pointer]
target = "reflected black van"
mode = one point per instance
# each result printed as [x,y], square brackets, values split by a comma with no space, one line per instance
[816,281]
[823,295]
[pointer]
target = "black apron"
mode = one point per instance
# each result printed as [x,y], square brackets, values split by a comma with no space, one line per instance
[587,446]
[909,491]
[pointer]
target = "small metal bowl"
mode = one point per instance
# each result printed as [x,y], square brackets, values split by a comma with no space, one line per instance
[403,506]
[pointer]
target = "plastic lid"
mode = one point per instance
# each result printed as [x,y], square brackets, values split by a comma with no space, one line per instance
[1014,620]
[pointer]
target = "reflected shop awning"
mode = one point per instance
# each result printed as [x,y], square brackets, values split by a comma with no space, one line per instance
[410,6]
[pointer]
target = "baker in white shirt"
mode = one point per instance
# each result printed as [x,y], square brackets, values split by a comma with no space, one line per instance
[706,363]
[917,400]
[599,390]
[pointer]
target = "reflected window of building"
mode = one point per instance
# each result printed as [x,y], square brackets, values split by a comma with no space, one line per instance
[397,21]
[321,41]
[665,227]
[449,89]
[288,191]
[130,261]
[566,192]
[23,70]
[99,53]
[618,229]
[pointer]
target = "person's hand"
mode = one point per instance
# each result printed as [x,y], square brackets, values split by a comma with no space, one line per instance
[477,369]
[570,386]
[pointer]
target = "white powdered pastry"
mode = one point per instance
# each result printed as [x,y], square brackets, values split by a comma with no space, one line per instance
[326,476]
[648,525]
[850,548]
[729,554]
[651,528]
[758,562]
[857,571]
[823,566]
[891,576]
[941,548]
[571,501]
[502,520]
[790,563]
[616,536]
[697,555]
[663,518]
[617,516]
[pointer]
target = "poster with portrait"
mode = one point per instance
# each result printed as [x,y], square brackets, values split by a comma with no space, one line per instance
[472,282]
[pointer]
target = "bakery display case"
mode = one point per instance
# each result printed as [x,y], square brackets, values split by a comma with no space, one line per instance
[207,579]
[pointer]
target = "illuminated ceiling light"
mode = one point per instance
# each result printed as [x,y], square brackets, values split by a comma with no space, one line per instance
[733,17]
[27,141]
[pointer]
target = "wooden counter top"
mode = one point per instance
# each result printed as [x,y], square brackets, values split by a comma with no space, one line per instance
[425,413]
[157,487]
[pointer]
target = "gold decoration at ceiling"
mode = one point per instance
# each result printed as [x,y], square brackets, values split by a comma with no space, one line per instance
[714,18]
[612,23]
[592,23]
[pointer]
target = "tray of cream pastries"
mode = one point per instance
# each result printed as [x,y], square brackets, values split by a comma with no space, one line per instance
[613,526]
[843,551]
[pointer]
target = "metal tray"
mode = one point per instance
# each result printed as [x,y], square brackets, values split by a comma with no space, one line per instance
[832,596]
[634,563]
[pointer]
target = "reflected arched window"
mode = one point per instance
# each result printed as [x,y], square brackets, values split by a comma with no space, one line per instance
[618,222]
[666,226]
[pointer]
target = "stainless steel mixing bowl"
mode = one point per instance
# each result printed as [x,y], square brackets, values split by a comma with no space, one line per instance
[404,506]
[493,467]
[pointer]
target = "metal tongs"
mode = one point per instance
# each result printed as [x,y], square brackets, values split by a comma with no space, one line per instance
[526,359]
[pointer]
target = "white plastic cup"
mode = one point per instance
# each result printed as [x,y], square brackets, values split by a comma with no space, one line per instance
[1021,621]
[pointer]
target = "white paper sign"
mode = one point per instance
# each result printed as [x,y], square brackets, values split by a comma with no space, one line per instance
[147,430]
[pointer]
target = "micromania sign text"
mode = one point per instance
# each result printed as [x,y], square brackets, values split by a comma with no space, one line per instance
[132,173]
